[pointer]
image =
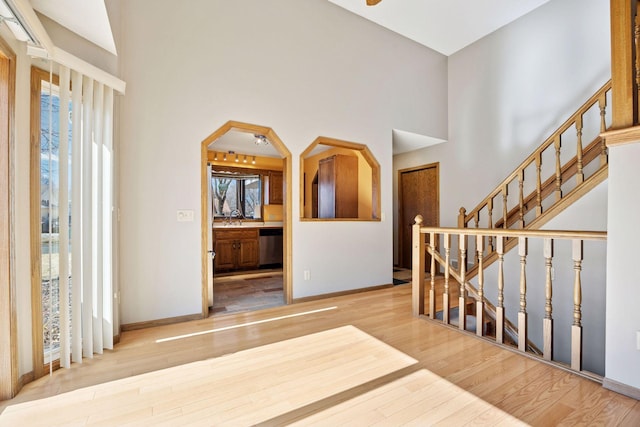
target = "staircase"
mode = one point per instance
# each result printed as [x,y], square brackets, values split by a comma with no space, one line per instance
[551,194]
[560,171]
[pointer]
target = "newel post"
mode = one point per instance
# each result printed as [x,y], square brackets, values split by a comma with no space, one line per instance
[417,268]
[462,218]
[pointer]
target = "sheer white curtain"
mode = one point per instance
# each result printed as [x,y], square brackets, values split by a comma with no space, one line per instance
[86,216]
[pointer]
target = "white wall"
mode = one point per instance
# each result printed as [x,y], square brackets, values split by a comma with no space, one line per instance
[623,276]
[511,89]
[508,92]
[303,68]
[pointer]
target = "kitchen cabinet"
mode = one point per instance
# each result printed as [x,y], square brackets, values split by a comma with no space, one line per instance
[236,249]
[338,187]
[275,188]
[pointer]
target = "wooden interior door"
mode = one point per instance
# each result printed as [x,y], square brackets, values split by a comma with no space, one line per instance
[418,193]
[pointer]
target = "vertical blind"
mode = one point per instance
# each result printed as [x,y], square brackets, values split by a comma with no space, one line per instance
[87,307]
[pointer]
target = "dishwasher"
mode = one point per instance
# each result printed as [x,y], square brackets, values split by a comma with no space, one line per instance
[270,247]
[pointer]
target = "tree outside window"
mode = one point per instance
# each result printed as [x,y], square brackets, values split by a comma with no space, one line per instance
[236,196]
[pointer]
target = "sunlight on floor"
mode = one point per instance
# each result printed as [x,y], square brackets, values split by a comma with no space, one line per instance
[326,378]
[242,325]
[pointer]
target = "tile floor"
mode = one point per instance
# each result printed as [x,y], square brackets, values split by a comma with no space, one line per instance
[247,292]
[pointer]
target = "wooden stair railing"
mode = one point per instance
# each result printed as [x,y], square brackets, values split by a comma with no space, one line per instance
[514,214]
[503,328]
[568,171]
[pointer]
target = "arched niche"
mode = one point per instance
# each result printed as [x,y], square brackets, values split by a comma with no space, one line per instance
[328,164]
[206,147]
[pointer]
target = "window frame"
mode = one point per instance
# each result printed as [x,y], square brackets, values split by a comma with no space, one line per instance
[9,373]
[241,192]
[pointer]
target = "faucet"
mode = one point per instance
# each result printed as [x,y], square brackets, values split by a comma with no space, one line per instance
[238,215]
[235,214]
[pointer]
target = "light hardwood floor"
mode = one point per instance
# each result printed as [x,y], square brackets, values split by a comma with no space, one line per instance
[503,383]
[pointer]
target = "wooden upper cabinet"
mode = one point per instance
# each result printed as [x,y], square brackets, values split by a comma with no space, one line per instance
[338,187]
[276,192]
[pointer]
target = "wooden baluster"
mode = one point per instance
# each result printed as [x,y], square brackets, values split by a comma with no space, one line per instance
[521,196]
[432,291]
[417,269]
[557,145]
[477,222]
[500,307]
[548,318]
[490,215]
[576,328]
[462,315]
[602,102]
[538,185]
[580,173]
[522,314]
[480,302]
[447,274]
[505,211]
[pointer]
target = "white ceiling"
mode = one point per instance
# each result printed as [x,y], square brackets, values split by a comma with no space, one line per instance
[404,142]
[87,18]
[242,143]
[445,26]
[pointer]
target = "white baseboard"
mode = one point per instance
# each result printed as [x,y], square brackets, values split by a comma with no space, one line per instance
[621,388]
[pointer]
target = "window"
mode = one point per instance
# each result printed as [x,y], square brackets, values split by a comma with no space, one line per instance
[236,195]
[49,213]
[71,188]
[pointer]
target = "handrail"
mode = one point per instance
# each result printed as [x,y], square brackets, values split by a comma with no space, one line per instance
[550,234]
[600,97]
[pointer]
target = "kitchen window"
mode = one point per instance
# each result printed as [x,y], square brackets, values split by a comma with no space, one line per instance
[236,195]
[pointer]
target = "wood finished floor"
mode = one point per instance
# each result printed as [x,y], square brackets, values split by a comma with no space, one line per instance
[530,391]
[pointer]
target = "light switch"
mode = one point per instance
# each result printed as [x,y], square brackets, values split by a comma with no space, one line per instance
[185,216]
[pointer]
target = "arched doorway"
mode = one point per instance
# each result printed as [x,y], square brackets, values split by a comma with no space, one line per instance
[285,155]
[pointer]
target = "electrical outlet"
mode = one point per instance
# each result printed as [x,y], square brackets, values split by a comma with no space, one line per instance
[638,340]
[307,275]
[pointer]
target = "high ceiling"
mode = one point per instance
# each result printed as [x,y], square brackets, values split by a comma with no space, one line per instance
[445,26]
[87,18]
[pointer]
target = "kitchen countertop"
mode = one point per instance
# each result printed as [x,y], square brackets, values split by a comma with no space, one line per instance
[248,224]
